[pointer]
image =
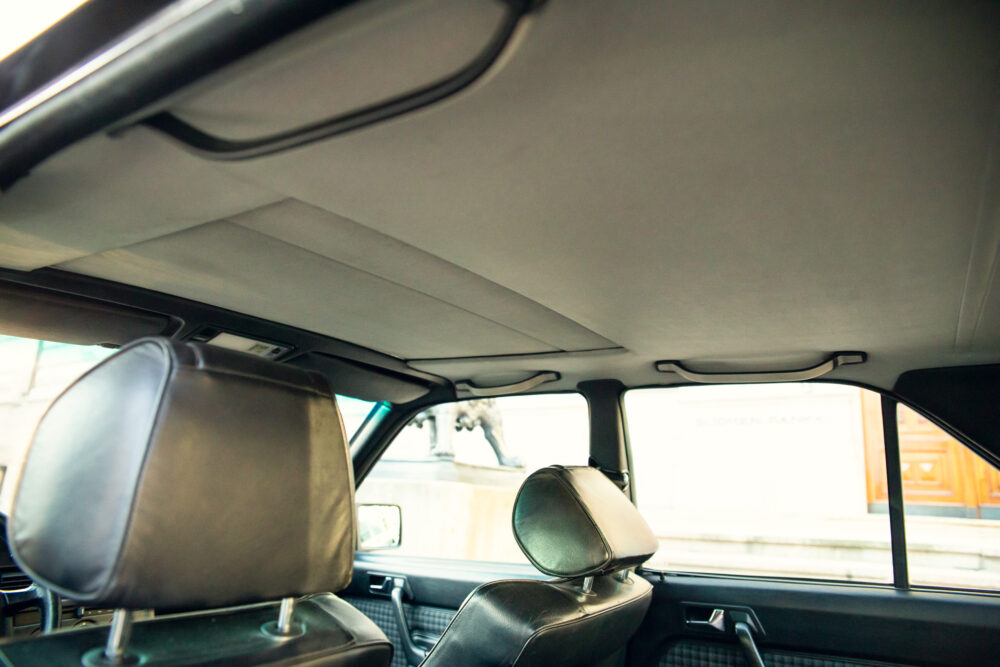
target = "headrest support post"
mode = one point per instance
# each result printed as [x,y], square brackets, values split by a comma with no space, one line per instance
[284,628]
[118,636]
[114,653]
[587,584]
[285,616]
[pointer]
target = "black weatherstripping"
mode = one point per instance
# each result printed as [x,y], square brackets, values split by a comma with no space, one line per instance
[186,48]
[218,148]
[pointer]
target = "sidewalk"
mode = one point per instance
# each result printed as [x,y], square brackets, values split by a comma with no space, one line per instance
[963,553]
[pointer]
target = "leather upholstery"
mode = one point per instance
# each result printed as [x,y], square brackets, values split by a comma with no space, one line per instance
[573,522]
[176,475]
[522,622]
[336,635]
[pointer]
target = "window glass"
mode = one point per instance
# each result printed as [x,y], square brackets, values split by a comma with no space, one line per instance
[952,507]
[455,469]
[354,412]
[32,374]
[764,480]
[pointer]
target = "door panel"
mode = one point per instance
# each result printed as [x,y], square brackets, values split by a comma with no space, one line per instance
[422,620]
[435,589]
[696,653]
[809,622]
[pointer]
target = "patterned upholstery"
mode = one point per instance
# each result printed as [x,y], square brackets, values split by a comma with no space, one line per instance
[700,654]
[431,620]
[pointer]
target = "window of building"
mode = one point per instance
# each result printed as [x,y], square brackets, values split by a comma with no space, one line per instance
[455,469]
[763,480]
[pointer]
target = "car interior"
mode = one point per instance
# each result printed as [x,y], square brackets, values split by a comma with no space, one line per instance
[501,332]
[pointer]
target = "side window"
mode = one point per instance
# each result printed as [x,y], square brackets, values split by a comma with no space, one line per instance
[32,374]
[455,469]
[763,480]
[354,412]
[951,498]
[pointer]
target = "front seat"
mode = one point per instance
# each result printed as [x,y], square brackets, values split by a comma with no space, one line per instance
[575,524]
[177,476]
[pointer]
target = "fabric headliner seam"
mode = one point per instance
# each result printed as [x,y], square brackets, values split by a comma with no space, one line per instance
[329,259]
[408,288]
[373,230]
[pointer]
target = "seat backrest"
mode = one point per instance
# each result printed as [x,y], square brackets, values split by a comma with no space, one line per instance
[176,477]
[575,524]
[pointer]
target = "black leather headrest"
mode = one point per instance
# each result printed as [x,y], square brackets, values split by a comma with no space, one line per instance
[178,476]
[574,522]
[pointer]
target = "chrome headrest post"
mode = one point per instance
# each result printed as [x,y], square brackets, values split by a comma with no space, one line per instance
[587,584]
[622,575]
[118,636]
[285,616]
[115,652]
[284,628]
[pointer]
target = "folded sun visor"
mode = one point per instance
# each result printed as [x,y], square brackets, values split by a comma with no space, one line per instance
[29,312]
[361,381]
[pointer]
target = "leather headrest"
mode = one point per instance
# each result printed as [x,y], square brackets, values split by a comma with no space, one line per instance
[176,476]
[574,522]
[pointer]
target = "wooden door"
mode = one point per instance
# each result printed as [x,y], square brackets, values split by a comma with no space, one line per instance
[989,489]
[940,475]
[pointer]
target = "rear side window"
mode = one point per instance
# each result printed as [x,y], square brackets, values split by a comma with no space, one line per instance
[790,480]
[951,499]
[455,469]
[764,480]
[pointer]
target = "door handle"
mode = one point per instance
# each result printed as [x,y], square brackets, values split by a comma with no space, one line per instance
[716,620]
[743,620]
[380,584]
[414,654]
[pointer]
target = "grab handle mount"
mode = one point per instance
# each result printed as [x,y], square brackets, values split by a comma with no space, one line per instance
[503,389]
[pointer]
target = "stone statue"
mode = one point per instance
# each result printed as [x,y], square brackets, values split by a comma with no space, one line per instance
[466,416]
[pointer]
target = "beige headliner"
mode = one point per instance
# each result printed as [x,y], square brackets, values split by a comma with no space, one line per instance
[738,186]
